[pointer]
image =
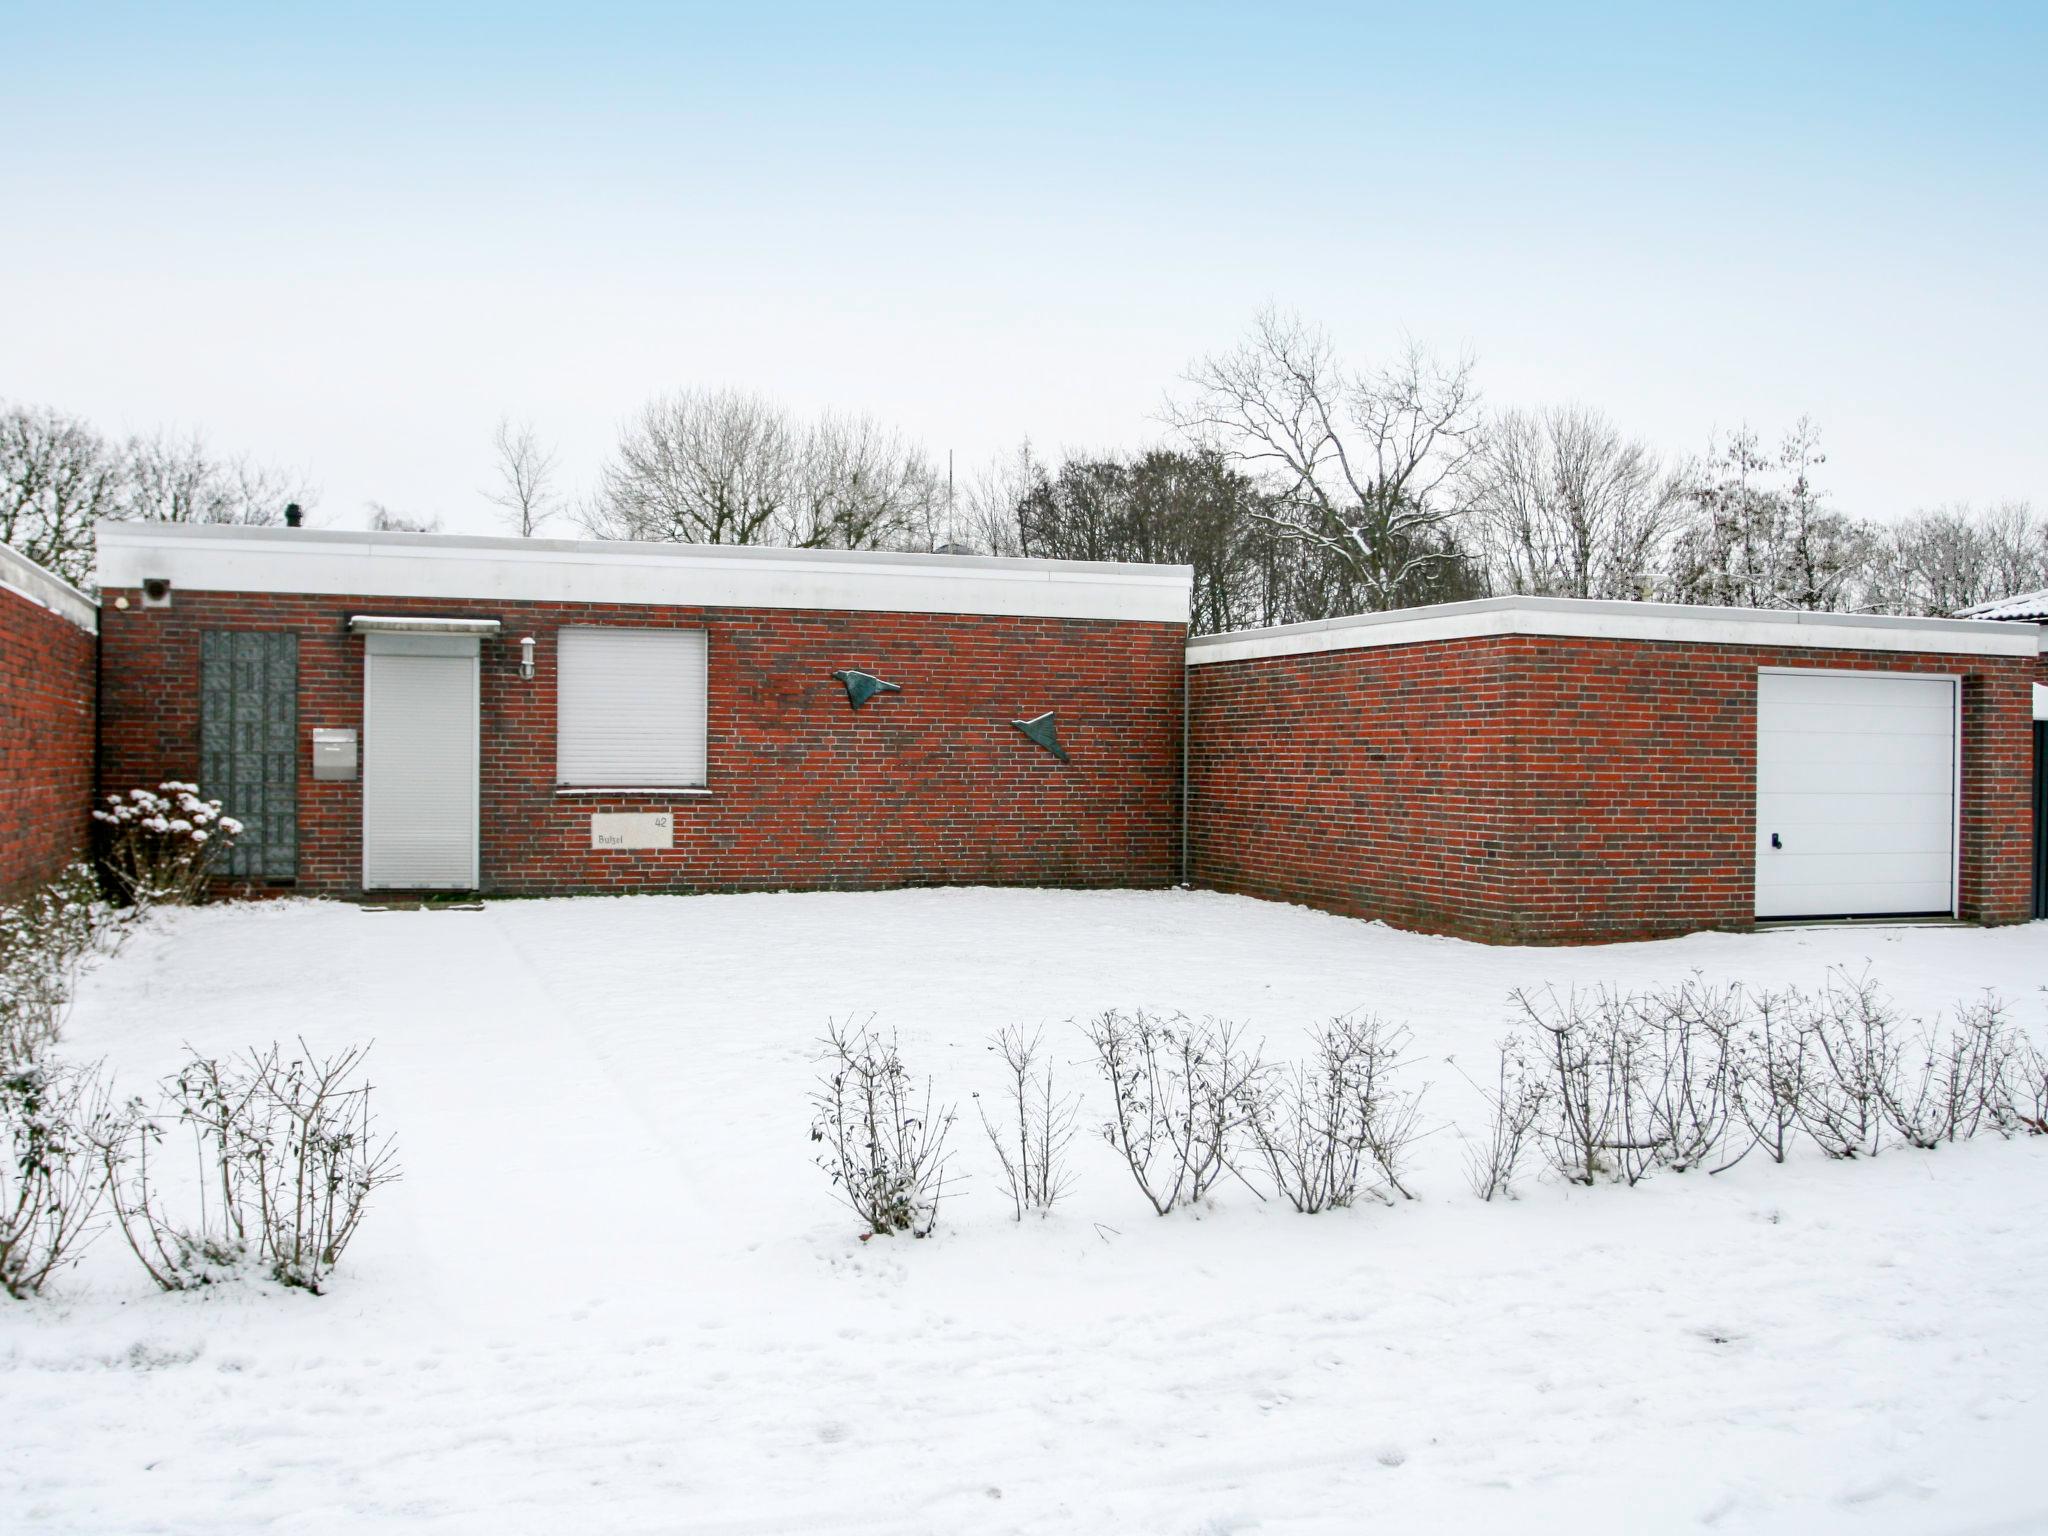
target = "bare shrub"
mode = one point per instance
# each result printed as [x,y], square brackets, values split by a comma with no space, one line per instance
[2027,1086]
[1320,1125]
[1689,1072]
[1037,1124]
[1181,1094]
[1768,1071]
[46,938]
[1516,1103]
[1850,1037]
[1598,1120]
[161,844]
[284,1159]
[1950,1088]
[884,1149]
[54,1119]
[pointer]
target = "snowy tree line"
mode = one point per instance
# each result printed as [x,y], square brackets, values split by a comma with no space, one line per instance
[1297,484]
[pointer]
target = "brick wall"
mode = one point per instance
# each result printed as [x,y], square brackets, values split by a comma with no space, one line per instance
[47,665]
[1540,789]
[929,786]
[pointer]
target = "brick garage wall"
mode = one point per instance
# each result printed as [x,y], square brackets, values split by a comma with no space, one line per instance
[1537,789]
[929,786]
[47,666]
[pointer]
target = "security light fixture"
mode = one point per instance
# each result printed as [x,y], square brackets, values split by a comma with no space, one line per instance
[156,591]
[526,658]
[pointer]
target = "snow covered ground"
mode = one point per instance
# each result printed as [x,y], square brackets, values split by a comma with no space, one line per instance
[613,1295]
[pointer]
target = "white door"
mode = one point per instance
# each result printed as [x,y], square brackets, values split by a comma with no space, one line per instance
[1855,794]
[419,762]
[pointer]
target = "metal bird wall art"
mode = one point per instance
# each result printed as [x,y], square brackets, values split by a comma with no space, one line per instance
[1043,730]
[862,686]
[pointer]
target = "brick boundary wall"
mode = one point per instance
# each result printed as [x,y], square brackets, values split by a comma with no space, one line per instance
[48,672]
[1543,789]
[929,786]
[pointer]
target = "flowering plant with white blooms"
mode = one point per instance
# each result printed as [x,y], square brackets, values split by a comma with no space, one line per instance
[162,842]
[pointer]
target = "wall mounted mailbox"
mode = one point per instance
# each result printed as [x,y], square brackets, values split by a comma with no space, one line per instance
[334,754]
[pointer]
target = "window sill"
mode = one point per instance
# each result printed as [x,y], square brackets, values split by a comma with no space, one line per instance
[564,791]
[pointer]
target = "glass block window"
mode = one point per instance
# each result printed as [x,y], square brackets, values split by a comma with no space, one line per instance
[248,745]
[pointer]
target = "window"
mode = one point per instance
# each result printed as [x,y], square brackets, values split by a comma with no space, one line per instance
[629,708]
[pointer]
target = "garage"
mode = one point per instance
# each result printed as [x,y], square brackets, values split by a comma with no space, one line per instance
[1856,793]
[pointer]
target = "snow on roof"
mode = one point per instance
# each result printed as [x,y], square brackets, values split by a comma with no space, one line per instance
[2032,606]
[1584,618]
[202,558]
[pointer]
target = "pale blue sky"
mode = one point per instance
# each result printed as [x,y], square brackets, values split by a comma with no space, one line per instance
[350,239]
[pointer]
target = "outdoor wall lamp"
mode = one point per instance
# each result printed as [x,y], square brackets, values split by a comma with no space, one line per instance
[526,658]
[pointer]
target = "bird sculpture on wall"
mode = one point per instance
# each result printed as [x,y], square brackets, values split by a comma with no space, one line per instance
[1041,729]
[862,686]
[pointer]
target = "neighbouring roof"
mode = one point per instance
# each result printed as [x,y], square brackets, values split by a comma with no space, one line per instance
[468,570]
[23,577]
[1582,618]
[2026,606]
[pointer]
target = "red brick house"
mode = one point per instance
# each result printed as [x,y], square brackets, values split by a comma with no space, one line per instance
[413,711]
[404,712]
[1546,770]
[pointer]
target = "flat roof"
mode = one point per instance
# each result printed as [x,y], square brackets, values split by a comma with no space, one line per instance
[2025,607]
[24,578]
[464,568]
[1581,618]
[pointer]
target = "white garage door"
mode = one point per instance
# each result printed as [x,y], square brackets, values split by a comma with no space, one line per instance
[419,762]
[1855,794]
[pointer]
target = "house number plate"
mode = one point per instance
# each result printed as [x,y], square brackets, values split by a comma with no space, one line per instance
[632,829]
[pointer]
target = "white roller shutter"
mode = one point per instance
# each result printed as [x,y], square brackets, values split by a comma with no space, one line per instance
[1856,783]
[419,762]
[630,708]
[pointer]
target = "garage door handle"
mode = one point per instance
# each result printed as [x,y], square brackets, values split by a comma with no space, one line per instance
[1774,841]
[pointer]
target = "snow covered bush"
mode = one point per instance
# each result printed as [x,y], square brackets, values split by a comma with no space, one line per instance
[161,844]
[1691,1031]
[1181,1095]
[1515,1102]
[46,936]
[284,1159]
[1323,1126]
[1033,1126]
[54,1121]
[883,1147]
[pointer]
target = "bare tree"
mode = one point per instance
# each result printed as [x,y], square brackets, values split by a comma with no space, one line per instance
[987,517]
[181,480]
[1371,467]
[1760,533]
[724,467]
[57,478]
[1568,507]
[525,493]
[1954,557]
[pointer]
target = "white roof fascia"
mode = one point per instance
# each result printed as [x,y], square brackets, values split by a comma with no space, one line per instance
[29,581]
[1577,618]
[463,569]
[377,624]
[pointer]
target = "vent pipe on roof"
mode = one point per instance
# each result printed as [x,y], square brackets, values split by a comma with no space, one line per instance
[292,515]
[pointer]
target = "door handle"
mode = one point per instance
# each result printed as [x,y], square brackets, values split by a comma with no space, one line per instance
[1774,841]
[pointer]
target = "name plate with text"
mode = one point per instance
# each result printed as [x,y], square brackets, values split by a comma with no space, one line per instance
[632,829]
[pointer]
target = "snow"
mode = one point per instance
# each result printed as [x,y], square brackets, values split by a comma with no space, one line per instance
[613,1294]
